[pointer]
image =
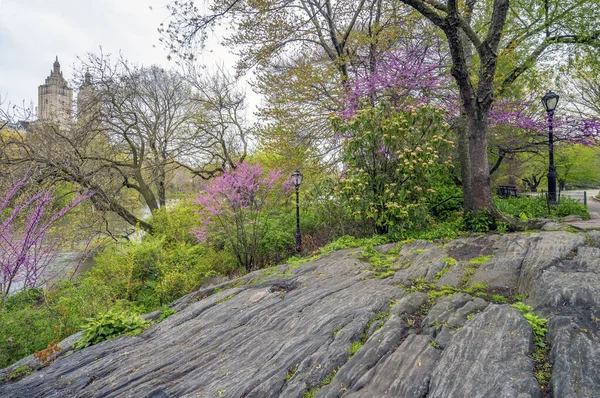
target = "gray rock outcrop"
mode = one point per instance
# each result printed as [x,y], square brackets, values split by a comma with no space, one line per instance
[440,326]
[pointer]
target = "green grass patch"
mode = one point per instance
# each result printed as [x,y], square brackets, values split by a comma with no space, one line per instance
[336,331]
[481,259]
[224,299]
[311,392]
[442,291]
[449,263]
[355,347]
[166,313]
[20,372]
[291,372]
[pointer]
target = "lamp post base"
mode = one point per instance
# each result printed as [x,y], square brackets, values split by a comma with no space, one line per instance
[552,197]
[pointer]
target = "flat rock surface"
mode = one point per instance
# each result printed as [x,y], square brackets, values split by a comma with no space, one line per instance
[330,328]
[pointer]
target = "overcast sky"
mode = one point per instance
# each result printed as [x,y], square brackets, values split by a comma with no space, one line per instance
[34,32]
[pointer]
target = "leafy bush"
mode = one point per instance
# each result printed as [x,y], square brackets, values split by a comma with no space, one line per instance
[30,321]
[176,224]
[24,299]
[152,273]
[166,313]
[23,331]
[109,325]
[391,156]
[524,207]
[481,222]
[446,230]
[570,206]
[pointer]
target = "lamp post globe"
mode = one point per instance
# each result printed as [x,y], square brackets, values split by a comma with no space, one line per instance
[550,100]
[297,180]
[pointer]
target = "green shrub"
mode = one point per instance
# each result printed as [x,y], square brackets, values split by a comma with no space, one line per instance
[111,324]
[25,330]
[569,206]
[524,207]
[23,299]
[446,230]
[391,157]
[346,242]
[176,223]
[153,272]
[480,222]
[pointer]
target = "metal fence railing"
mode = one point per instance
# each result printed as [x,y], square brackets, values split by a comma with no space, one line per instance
[580,196]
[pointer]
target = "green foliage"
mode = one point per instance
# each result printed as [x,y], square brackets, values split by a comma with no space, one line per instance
[176,223]
[346,242]
[31,320]
[310,393]
[23,331]
[157,270]
[390,157]
[543,366]
[524,207]
[496,298]
[23,299]
[291,372]
[20,372]
[355,347]
[327,380]
[165,314]
[449,260]
[569,206]
[442,291]
[481,259]
[480,222]
[539,326]
[449,263]
[111,324]
[577,165]
[446,230]
[226,298]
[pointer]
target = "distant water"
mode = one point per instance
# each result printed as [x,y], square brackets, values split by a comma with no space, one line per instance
[63,266]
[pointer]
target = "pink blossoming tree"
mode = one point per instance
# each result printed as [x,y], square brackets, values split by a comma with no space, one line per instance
[235,205]
[25,248]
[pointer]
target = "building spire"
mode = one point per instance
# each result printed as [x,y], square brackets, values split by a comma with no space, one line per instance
[56,66]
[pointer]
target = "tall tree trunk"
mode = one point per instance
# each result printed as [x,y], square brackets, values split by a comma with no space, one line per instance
[480,194]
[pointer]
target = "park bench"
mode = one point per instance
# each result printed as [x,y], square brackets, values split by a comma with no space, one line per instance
[505,191]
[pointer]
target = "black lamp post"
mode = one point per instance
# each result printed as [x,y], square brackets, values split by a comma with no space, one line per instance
[550,100]
[297,180]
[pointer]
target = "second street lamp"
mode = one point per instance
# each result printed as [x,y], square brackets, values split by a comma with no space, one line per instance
[297,180]
[550,100]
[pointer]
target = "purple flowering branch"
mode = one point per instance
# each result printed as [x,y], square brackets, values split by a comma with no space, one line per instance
[25,250]
[405,76]
[413,76]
